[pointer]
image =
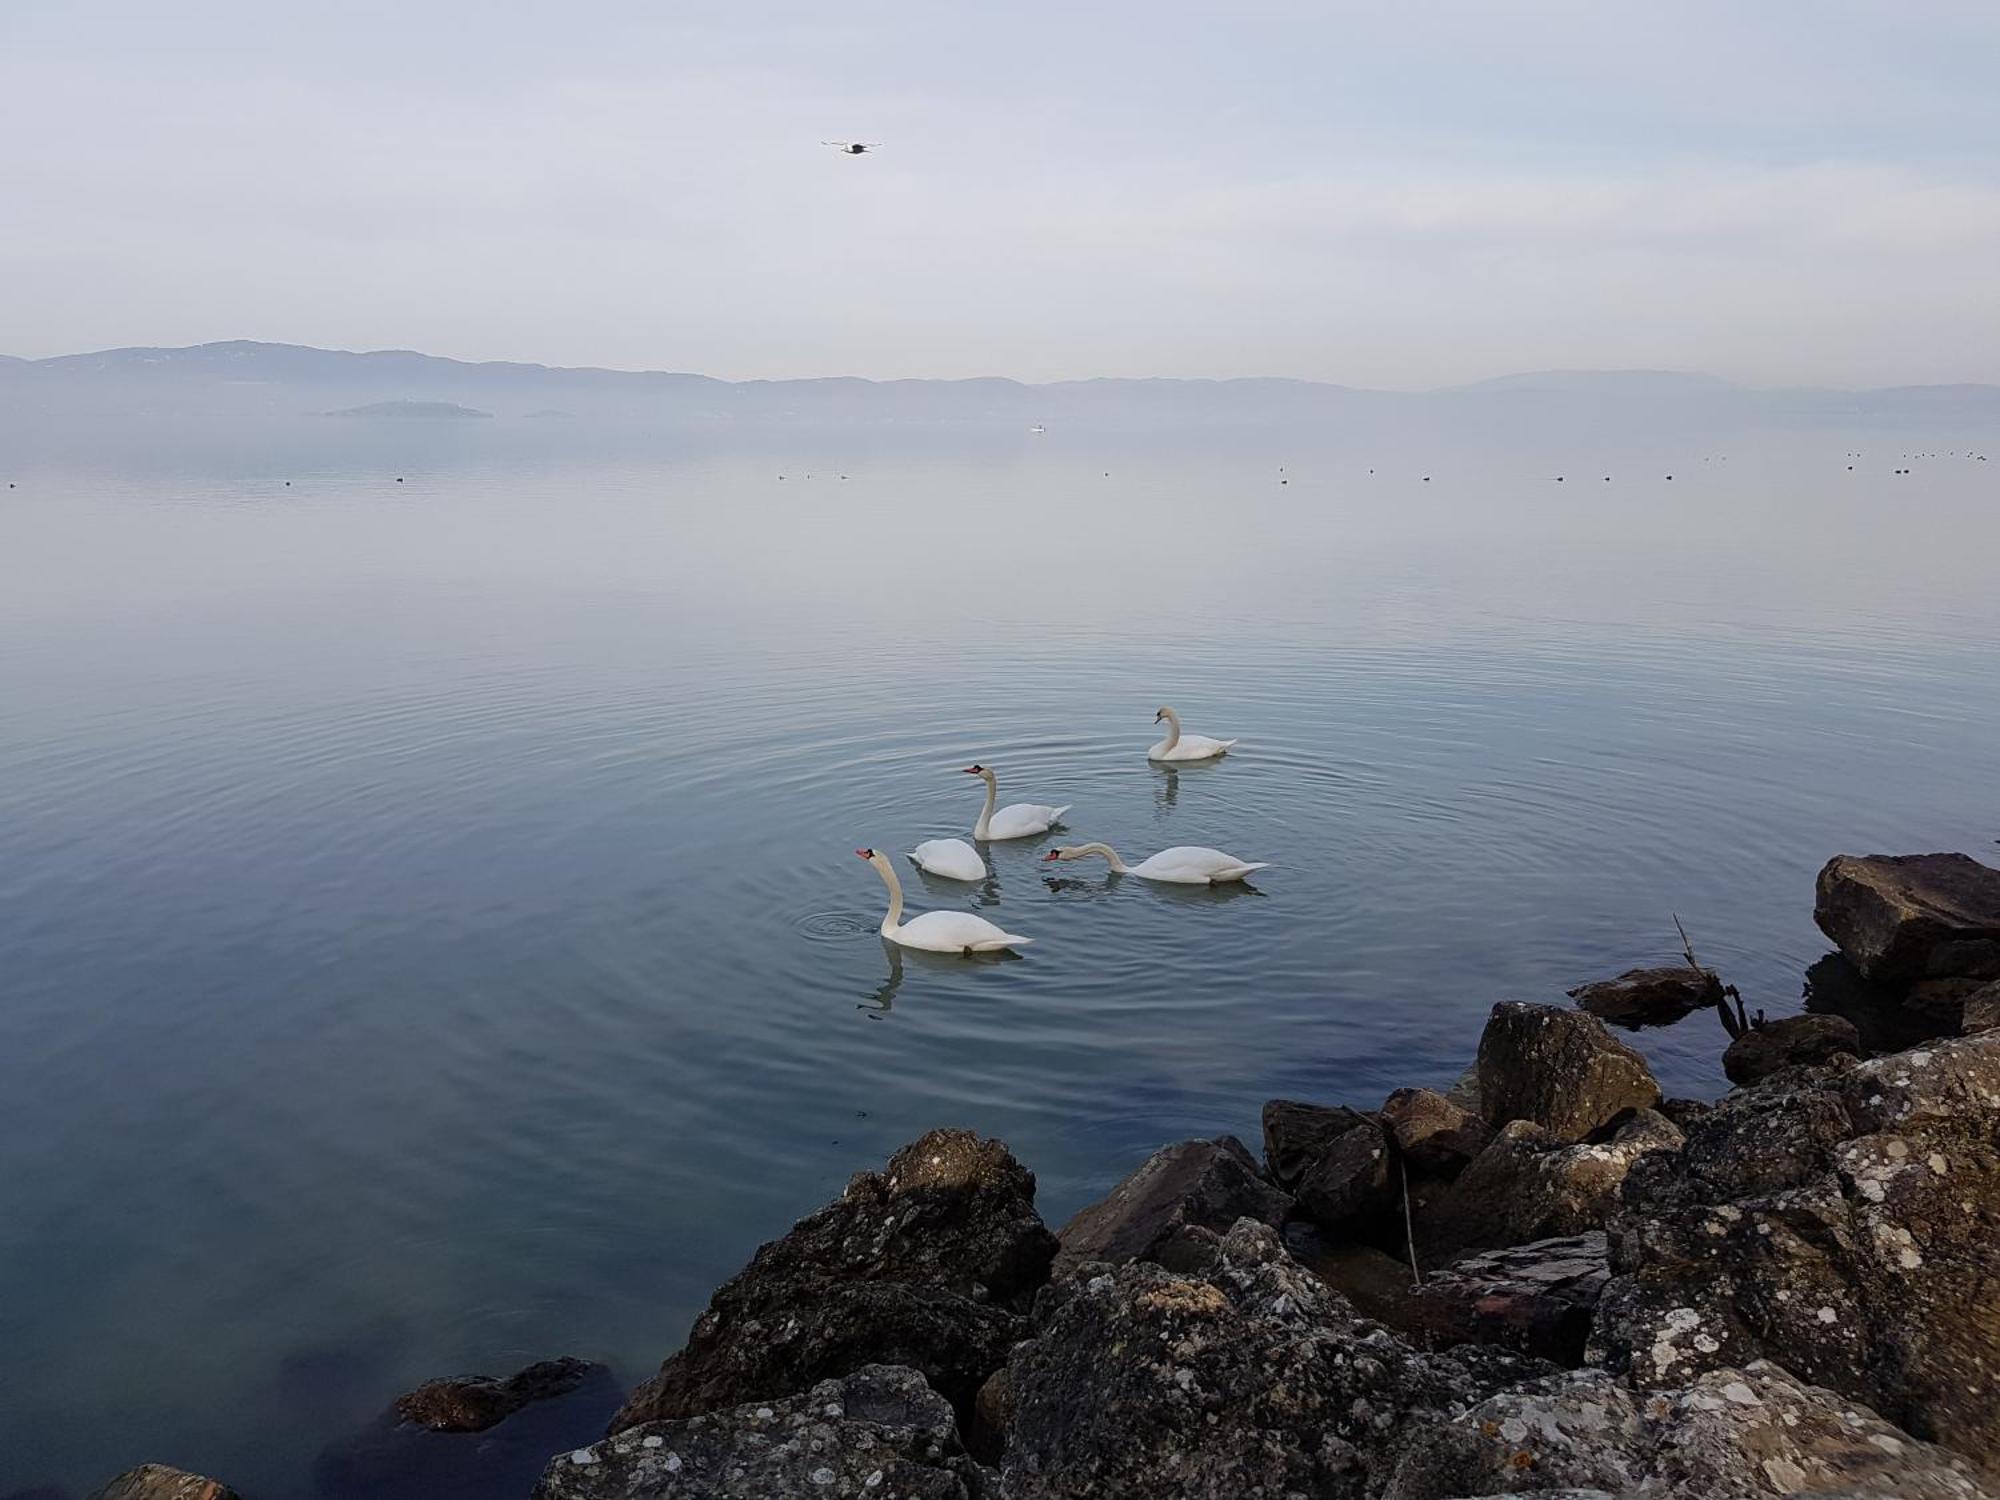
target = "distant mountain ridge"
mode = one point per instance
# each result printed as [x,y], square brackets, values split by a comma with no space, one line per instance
[243,378]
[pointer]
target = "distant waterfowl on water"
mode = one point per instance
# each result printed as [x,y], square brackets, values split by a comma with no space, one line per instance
[954,859]
[852,148]
[1018,820]
[937,931]
[1179,746]
[1184,864]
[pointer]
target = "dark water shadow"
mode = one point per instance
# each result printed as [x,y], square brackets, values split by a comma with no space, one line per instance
[1834,987]
[394,1460]
[1203,895]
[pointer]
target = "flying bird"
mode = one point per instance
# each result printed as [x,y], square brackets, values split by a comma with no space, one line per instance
[852,148]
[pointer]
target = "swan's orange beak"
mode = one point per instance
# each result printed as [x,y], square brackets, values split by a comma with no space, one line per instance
[864,853]
[970,770]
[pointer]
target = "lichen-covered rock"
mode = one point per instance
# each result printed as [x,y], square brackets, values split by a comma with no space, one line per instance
[879,1432]
[925,1264]
[1903,917]
[1251,1378]
[1196,1184]
[1527,1185]
[1792,1041]
[1433,1135]
[1350,1179]
[1296,1135]
[1846,1225]
[1650,997]
[161,1482]
[1536,1298]
[473,1403]
[1731,1435]
[1559,1069]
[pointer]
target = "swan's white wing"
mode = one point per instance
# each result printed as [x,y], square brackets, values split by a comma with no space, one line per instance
[952,858]
[1186,863]
[1022,819]
[953,932]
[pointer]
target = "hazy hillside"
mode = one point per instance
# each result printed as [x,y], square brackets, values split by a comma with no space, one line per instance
[243,380]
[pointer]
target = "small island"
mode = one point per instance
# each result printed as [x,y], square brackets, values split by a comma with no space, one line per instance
[420,409]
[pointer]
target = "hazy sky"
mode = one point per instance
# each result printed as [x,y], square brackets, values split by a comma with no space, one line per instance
[1389,194]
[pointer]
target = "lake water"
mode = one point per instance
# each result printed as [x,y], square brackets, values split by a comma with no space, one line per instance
[430,927]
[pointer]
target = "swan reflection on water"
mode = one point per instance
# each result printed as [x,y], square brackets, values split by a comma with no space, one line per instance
[879,1001]
[984,892]
[1167,779]
[1198,895]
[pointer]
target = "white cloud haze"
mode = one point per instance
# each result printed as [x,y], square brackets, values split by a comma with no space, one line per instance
[1787,193]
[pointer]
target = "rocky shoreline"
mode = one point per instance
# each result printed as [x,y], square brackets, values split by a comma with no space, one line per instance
[1549,1280]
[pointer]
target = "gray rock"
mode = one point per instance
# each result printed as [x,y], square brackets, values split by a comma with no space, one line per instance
[1846,1226]
[928,1264]
[1197,1184]
[1559,1069]
[1733,1434]
[1251,1378]
[1981,1011]
[1537,1298]
[1912,916]
[879,1432]
[1349,1180]
[1296,1135]
[1527,1186]
[1433,1135]
[1793,1041]
[161,1482]
[473,1403]
[1650,997]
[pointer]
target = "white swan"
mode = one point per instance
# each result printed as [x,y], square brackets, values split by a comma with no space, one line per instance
[936,931]
[1178,746]
[1018,820]
[954,859]
[1184,864]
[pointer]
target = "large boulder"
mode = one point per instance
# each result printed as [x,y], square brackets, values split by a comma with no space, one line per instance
[1981,1011]
[163,1482]
[879,1432]
[1248,1378]
[1296,1136]
[1790,1042]
[1536,1298]
[1559,1069]
[1907,917]
[1349,1182]
[1433,1135]
[1844,1224]
[1731,1435]
[1528,1185]
[473,1403]
[1206,1185]
[1650,997]
[929,1264]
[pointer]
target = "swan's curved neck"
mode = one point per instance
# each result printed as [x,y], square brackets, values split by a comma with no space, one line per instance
[992,800]
[1110,854]
[1173,727]
[895,917]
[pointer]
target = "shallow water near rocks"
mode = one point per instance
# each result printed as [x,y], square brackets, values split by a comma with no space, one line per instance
[431,930]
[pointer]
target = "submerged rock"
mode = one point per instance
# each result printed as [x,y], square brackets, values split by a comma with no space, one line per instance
[1536,1298]
[1845,1225]
[878,1432]
[928,1264]
[1907,917]
[473,1403]
[1250,1378]
[1650,997]
[1793,1041]
[1733,1434]
[161,1482]
[1559,1069]
[1205,1185]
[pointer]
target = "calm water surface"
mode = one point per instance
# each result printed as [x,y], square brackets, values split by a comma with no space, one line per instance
[430,927]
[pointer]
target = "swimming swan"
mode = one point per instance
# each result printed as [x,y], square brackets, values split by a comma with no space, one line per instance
[936,931]
[1184,864]
[1019,820]
[1178,746]
[954,859]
